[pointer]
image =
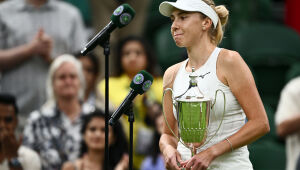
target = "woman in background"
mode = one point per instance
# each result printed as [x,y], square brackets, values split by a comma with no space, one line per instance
[91,70]
[155,160]
[93,145]
[54,130]
[133,55]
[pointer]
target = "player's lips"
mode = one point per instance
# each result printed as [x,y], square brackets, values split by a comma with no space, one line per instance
[177,34]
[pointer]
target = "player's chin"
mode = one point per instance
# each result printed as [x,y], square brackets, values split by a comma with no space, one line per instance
[179,43]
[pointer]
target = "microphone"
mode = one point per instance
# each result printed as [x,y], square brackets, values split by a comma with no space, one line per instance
[139,85]
[120,18]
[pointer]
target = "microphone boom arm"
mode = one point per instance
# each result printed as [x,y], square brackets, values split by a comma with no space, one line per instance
[99,38]
[124,106]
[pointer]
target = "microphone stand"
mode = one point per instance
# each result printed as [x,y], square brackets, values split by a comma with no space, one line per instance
[106,51]
[130,114]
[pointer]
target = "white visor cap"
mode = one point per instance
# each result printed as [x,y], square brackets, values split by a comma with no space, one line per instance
[166,8]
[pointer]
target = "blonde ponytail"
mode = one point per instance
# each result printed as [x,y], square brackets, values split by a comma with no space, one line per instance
[223,14]
[216,35]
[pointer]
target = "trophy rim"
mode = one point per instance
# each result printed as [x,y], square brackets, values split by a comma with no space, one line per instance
[194,99]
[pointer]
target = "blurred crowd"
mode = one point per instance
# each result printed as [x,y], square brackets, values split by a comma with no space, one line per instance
[52,97]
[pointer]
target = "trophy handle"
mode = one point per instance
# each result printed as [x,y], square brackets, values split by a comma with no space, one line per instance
[174,104]
[219,90]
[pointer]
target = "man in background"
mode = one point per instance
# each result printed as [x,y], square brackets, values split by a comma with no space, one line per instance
[13,156]
[32,33]
[287,120]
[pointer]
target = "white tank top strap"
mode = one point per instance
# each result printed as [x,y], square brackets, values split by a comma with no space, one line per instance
[213,60]
[183,65]
[214,57]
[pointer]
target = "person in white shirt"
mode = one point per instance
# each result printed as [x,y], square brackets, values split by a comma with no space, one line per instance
[287,120]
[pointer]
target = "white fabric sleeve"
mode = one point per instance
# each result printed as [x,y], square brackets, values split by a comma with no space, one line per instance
[29,159]
[289,103]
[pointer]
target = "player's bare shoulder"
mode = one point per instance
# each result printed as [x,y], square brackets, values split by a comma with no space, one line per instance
[229,56]
[229,59]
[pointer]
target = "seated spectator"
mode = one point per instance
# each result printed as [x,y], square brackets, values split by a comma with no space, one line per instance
[13,156]
[90,65]
[54,130]
[91,70]
[155,160]
[93,145]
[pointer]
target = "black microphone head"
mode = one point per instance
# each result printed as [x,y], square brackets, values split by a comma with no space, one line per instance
[141,82]
[122,15]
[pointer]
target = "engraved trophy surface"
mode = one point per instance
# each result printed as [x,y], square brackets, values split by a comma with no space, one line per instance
[193,111]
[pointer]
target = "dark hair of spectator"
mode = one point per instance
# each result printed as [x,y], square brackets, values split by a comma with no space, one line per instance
[155,151]
[116,149]
[9,100]
[94,59]
[151,58]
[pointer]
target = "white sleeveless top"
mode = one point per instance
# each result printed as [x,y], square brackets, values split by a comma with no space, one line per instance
[234,117]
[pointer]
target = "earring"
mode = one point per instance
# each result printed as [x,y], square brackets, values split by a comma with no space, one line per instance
[203,28]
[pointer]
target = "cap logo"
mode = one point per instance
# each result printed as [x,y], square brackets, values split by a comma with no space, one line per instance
[138,79]
[119,10]
[125,18]
[147,84]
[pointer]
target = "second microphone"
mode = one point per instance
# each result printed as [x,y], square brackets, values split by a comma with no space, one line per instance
[139,85]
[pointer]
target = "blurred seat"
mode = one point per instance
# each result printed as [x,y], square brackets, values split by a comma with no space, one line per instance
[267,44]
[154,20]
[243,13]
[167,51]
[269,49]
[247,11]
[268,155]
[270,80]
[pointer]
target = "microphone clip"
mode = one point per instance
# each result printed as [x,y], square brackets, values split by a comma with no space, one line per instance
[129,113]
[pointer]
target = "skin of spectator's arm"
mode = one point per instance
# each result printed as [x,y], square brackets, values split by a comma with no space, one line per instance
[288,127]
[14,56]
[41,45]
